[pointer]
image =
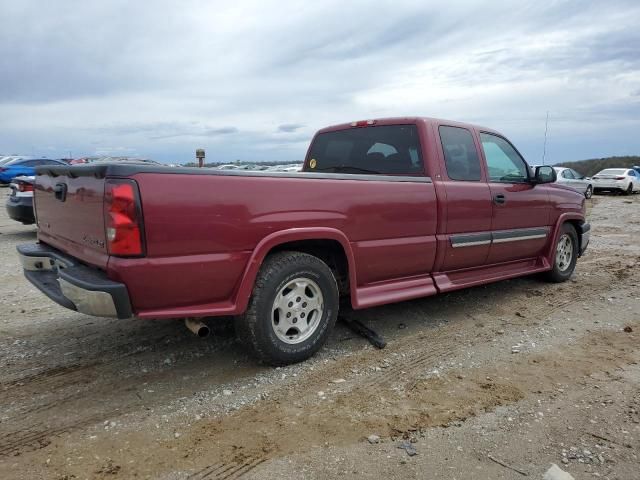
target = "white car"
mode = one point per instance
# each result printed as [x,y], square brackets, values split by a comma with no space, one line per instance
[571,178]
[623,180]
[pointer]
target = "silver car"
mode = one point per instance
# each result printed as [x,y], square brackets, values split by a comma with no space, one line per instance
[571,178]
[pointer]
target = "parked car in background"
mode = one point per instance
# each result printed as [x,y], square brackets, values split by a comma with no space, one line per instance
[573,179]
[20,203]
[623,180]
[20,166]
[6,159]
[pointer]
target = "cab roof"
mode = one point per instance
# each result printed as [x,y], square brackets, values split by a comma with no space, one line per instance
[405,121]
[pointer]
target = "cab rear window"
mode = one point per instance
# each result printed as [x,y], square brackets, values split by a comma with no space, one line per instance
[390,150]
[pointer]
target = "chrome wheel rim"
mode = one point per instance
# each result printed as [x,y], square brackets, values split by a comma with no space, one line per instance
[564,252]
[297,310]
[589,191]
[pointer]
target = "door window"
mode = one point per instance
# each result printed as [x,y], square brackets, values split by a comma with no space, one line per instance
[567,174]
[577,175]
[504,163]
[460,154]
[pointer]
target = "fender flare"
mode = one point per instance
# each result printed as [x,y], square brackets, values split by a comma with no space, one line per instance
[555,232]
[275,239]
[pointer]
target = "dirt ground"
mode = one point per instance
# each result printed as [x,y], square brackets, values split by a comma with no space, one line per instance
[495,382]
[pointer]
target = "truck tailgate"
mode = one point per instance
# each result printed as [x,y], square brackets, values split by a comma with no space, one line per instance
[69,211]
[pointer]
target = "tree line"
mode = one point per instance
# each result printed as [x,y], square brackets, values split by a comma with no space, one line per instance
[590,167]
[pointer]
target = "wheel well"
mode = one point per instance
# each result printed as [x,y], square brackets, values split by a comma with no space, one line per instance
[329,251]
[576,225]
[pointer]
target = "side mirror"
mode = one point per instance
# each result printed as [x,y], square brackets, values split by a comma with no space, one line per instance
[544,174]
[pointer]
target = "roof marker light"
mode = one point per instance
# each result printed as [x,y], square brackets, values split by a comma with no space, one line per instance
[363,123]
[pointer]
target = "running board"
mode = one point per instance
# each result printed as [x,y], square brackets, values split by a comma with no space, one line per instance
[394,291]
[457,280]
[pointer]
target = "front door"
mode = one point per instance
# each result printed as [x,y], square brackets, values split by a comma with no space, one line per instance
[520,219]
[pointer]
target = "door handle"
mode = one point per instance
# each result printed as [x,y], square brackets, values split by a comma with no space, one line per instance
[499,199]
[60,191]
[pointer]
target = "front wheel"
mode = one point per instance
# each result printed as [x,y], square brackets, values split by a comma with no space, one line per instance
[589,192]
[566,255]
[293,307]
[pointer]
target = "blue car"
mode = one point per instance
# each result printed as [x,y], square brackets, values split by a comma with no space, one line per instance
[20,166]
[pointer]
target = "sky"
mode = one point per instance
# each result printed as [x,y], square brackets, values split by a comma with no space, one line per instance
[253,80]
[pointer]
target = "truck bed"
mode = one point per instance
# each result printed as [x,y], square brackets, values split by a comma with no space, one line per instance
[203,227]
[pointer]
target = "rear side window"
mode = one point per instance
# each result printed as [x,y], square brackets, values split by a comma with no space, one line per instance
[391,149]
[504,163]
[460,154]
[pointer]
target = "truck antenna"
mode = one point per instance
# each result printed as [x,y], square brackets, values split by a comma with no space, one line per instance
[544,148]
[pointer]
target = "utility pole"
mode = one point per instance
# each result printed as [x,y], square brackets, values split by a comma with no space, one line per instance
[544,148]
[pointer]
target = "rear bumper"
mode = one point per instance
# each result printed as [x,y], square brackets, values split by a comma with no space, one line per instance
[609,185]
[21,209]
[73,285]
[584,231]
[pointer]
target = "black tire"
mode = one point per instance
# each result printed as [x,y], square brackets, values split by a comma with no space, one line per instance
[256,329]
[562,271]
[629,189]
[589,192]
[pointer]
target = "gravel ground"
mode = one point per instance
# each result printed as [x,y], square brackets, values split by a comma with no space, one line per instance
[494,382]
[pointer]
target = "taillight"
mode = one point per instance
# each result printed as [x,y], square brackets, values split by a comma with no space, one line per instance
[620,178]
[123,218]
[25,187]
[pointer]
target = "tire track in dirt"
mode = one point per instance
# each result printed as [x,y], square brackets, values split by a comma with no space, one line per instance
[229,470]
[39,436]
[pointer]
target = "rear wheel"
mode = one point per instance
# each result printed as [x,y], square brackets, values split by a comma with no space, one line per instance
[629,190]
[566,255]
[293,307]
[589,192]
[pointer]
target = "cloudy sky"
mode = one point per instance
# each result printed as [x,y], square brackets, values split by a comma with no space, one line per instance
[253,80]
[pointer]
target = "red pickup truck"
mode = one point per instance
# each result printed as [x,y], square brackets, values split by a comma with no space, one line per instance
[383,211]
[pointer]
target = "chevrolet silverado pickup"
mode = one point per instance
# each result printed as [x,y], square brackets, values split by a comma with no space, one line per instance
[383,211]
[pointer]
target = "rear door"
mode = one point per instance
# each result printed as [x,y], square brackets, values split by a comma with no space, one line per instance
[520,210]
[467,209]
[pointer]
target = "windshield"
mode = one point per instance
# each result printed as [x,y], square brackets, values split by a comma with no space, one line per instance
[392,149]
